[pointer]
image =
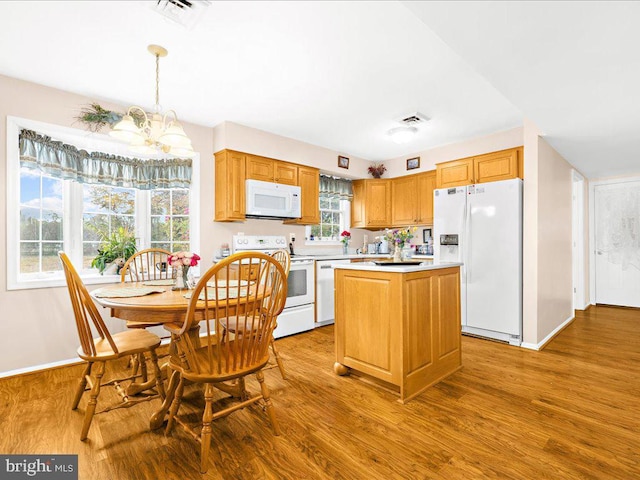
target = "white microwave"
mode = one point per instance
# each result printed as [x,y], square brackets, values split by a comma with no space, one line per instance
[272,200]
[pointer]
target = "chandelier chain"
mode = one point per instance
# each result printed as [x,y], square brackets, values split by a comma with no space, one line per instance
[157,79]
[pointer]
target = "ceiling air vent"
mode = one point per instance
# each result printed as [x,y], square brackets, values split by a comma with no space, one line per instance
[186,13]
[413,119]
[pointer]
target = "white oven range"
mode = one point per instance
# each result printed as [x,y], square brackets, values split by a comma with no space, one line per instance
[299,310]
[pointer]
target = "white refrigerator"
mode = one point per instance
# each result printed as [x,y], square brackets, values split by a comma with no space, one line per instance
[481,226]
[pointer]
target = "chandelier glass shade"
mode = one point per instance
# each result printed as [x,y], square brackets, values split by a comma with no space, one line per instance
[151,133]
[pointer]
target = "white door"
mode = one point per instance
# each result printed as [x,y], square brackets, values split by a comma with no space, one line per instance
[617,243]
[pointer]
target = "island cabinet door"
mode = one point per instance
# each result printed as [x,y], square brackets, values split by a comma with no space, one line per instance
[431,329]
[368,323]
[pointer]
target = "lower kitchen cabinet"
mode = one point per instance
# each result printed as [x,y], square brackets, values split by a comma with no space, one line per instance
[401,328]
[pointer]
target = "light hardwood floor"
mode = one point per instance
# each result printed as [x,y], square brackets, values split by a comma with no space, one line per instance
[571,411]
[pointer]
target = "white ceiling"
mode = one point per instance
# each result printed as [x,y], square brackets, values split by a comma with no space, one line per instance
[339,74]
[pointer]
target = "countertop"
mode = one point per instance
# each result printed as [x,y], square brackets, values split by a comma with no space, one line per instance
[372,267]
[356,256]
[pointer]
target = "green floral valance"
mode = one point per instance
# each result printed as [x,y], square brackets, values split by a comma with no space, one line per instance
[68,162]
[336,187]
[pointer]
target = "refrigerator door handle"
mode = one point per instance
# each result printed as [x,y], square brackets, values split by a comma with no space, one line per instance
[467,242]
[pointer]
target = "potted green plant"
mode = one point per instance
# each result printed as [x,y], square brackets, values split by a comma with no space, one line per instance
[121,244]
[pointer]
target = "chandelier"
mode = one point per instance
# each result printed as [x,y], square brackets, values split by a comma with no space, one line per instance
[150,133]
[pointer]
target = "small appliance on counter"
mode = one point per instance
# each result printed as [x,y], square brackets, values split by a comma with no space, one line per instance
[383,246]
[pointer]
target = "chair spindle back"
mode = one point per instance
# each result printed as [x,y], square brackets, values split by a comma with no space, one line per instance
[249,288]
[148,264]
[84,310]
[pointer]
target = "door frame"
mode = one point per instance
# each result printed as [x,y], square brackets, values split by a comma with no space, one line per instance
[578,240]
[592,228]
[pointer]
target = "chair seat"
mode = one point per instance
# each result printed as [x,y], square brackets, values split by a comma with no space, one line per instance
[128,343]
[237,324]
[209,367]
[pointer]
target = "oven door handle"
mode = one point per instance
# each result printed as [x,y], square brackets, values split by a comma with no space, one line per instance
[303,262]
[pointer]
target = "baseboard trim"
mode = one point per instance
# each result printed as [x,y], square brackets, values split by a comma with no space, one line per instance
[37,368]
[47,366]
[539,346]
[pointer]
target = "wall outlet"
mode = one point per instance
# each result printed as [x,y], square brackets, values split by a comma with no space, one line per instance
[292,237]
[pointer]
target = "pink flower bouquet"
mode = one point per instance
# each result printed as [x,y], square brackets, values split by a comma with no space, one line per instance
[186,259]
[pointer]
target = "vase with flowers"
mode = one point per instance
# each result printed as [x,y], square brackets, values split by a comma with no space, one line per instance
[376,170]
[180,262]
[346,238]
[398,237]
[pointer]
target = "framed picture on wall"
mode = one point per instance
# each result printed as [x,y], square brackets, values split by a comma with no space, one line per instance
[343,162]
[426,235]
[413,163]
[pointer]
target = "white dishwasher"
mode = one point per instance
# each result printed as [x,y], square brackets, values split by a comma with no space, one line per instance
[325,294]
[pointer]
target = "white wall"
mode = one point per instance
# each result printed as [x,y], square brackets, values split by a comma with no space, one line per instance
[38,325]
[555,282]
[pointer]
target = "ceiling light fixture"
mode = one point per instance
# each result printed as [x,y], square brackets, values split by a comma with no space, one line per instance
[150,133]
[402,134]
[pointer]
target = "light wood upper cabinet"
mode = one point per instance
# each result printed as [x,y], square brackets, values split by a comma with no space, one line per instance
[270,170]
[371,203]
[378,204]
[358,203]
[309,183]
[493,167]
[287,173]
[426,186]
[490,167]
[412,199]
[229,185]
[404,193]
[455,173]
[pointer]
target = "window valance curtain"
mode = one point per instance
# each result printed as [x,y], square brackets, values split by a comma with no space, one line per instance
[65,161]
[336,187]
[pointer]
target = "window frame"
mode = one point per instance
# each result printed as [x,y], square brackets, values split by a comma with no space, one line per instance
[345,211]
[73,206]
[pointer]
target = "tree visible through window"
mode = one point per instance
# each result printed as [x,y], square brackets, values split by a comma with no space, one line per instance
[105,210]
[170,219]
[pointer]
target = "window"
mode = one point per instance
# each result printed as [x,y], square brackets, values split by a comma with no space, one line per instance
[170,219]
[105,209]
[334,218]
[47,214]
[41,216]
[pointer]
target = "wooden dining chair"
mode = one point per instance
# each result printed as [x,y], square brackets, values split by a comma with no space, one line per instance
[223,361]
[146,265]
[284,258]
[104,348]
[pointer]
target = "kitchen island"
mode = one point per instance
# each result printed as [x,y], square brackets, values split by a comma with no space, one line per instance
[398,323]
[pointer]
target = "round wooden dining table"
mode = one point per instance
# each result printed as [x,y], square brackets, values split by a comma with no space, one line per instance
[164,305]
